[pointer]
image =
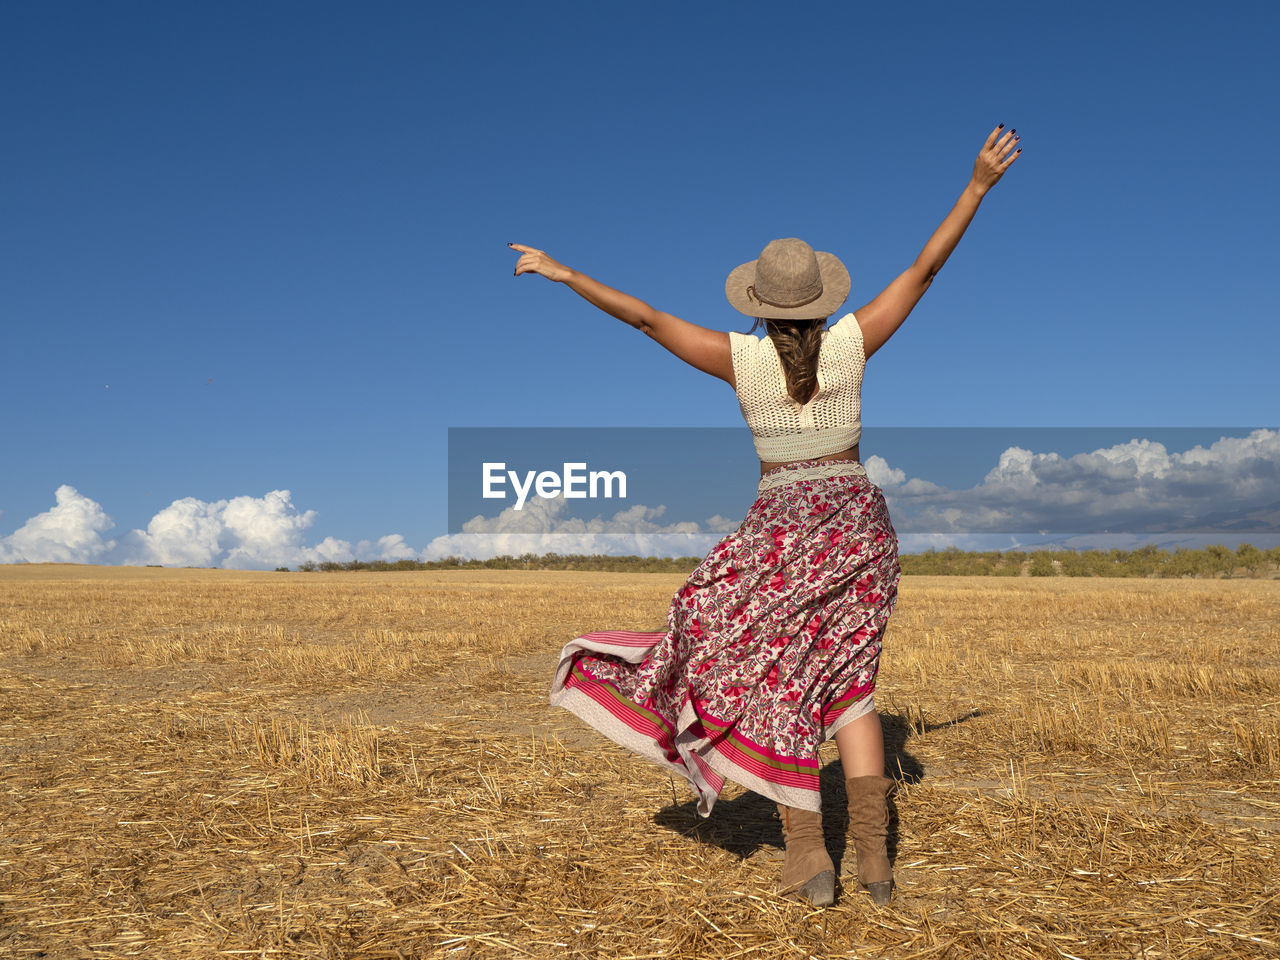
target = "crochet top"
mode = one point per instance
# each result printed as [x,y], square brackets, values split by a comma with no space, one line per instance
[785,430]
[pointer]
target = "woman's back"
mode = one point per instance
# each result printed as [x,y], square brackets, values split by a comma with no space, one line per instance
[785,429]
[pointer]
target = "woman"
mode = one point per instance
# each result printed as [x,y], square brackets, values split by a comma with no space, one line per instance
[773,642]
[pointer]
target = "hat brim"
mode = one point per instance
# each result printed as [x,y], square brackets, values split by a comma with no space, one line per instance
[835,291]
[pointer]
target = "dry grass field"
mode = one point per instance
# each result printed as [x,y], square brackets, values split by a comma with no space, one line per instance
[199,763]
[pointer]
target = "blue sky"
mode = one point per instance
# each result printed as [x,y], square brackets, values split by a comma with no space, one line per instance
[261,247]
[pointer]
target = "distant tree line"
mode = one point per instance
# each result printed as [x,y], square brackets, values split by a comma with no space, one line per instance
[526,561]
[1150,561]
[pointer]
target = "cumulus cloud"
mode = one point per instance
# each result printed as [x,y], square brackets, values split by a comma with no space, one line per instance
[1136,487]
[269,531]
[187,533]
[390,548]
[1138,491]
[719,524]
[889,478]
[542,526]
[881,474]
[70,532]
[244,532]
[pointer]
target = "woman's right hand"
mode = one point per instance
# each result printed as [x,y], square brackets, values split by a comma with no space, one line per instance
[992,161]
[536,261]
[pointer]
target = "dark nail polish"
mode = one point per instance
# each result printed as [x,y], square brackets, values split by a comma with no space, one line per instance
[999,125]
[1014,130]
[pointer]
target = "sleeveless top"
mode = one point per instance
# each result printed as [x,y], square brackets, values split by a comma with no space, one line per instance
[784,429]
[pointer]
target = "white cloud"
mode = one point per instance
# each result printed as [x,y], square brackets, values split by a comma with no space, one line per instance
[241,533]
[70,532]
[889,478]
[1138,490]
[390,548]
[328,550]
[269,531]
[187,533]
[265,531]
[881,474]
[1138,487]
[542,527]
[719,524]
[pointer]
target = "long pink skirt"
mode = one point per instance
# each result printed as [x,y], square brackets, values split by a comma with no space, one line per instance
[772,644]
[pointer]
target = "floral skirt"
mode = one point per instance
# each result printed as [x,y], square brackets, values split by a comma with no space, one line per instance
[771,646]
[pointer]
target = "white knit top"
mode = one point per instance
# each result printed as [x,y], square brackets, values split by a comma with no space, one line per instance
[785,430]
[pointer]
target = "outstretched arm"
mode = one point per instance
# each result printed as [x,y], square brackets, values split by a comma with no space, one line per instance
[880,318]
[708,350]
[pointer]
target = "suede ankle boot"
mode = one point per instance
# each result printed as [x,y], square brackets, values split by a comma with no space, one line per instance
[869,830]
[807,870]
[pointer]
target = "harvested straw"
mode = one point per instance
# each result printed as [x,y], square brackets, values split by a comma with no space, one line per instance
[202,764]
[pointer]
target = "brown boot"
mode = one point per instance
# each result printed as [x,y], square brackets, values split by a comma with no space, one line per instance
[869,829]
[807,870]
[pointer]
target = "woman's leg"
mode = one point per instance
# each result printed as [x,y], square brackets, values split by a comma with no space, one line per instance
[861,745]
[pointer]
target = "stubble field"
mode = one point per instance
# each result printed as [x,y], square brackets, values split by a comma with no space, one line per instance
[197,763]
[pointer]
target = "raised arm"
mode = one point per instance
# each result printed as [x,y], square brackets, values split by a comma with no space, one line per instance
[880,318]
[708,350]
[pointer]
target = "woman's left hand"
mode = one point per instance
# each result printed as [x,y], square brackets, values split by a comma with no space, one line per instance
[536,261]
[995,157]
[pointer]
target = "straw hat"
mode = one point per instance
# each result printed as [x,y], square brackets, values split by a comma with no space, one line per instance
[790,281]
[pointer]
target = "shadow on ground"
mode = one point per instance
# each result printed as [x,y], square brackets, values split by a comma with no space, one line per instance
[745,824]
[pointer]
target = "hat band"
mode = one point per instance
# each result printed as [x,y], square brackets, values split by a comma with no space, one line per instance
[754,294]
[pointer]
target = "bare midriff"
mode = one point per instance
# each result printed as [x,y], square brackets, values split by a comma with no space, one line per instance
[850,454]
